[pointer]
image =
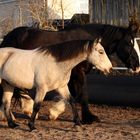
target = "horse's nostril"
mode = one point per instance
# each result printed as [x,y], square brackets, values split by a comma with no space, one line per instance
[111,69]
[106,71]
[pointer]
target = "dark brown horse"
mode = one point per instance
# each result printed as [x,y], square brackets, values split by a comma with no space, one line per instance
[114,39]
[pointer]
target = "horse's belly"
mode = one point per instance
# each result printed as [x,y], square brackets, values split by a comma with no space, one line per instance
[57,80]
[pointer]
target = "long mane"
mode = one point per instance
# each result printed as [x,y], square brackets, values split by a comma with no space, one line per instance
[67,50]
[106,31]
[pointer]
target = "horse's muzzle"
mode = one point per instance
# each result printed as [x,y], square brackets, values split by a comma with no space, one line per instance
[137,71]
[107,71]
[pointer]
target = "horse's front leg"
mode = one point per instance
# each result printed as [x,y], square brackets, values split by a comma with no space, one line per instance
[87,116]
[78,89]
[6,102]
[40,94]
[64,91]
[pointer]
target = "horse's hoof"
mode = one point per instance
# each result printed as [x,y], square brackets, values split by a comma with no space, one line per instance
[90,119]
[12,124]
[77,122]
[77,128]
[96,119]
[31,126]
[33,129]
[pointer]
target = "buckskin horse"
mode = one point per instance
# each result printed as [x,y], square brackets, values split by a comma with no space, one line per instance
[115,39]
[46,68]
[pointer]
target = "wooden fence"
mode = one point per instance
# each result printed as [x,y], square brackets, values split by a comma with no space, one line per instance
[115,12]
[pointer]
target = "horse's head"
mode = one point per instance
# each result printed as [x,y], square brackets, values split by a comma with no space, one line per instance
[128,55]
[121,40]
[128,51]
[99,58]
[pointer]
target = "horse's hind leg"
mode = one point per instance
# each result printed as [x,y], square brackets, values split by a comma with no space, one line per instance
[64,91]
[57,109]
[6,100]
[2,115]
[87,116]
[27,105]
[78,88]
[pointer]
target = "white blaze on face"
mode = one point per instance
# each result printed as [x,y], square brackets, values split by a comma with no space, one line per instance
[136,47]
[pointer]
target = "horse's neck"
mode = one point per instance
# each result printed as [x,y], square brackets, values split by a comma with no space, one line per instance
[52,38]
[70,64]
[93,29]
[76,34]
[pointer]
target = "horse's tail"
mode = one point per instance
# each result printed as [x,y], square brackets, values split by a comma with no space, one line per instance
[23,99]
[18,95]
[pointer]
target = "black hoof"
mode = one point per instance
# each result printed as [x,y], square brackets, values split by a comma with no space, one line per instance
[12,124]
[31,126]
[89,119]
[77,122]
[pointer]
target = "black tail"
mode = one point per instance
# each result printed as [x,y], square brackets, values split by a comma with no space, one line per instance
[18,94]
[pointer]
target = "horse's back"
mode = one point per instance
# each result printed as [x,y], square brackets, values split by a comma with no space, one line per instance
[14,37]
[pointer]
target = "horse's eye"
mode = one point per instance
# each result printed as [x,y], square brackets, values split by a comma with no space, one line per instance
[101,51]
[130,43]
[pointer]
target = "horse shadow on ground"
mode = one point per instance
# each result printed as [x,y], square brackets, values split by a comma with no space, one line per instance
[133,123]
[71,126]
[3,126]
[40,117]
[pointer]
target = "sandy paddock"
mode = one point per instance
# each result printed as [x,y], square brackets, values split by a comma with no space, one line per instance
[117,123]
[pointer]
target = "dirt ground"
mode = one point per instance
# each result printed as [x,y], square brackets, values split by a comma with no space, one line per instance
[117,123]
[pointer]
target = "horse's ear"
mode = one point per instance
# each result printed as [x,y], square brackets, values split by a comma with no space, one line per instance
[134,27]
[97,40]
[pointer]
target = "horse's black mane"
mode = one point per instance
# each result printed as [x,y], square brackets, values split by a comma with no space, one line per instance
[107,32]
[67,50]
[110,35]
[71,27]
[86,26]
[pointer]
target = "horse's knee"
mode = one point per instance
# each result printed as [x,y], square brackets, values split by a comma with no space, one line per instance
[56,110]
